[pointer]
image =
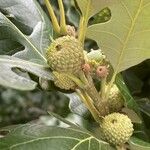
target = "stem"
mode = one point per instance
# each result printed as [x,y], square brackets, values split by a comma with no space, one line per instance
[84,23]
[83,78]
[110,85]
[52,16]
[63,27]
[80,31]
[103,87]
[89,104]
[76,80]
[92,91]
[102,106]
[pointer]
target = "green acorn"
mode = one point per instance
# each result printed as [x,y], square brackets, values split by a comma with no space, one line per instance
[117,128]
[115,99]
[62,81]
[65,54]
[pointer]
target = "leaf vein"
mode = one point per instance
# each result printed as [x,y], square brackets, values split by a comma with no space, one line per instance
[82,141]
[43,138]
[125,43]
[140,32]
[128,12]
[112,34]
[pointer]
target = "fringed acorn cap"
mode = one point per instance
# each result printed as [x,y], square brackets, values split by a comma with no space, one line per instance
[65,54]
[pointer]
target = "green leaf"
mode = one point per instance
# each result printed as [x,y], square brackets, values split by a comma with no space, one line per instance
[17,16]
[131,104]
[132,115]
[144,105]
[40,137]
[137,144]
[91,7]
[125,38]
[129,100]
[10,78]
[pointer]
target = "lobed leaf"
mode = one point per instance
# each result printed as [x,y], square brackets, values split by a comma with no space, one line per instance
[24,23]
[91,7]
[10,78]
[125,38]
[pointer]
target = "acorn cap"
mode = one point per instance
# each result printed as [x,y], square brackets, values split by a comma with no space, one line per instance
[117,128]
[65,54]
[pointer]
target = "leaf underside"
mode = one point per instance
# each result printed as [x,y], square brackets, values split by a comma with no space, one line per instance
[25,33]
[24,23]
[76,105]
[94,6]
[10,78]
[125,38]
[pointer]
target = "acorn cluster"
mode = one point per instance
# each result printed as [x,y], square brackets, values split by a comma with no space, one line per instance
[73,68]
[66,58]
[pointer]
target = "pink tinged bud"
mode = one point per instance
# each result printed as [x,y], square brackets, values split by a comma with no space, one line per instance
[71,31]
[86,68]
[102,71]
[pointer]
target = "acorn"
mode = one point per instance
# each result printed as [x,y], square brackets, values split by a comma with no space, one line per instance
[65,54]
[62,81]
[115,99]
[117,128]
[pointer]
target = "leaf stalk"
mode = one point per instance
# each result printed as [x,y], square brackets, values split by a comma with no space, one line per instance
[63,26]
[52,16]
